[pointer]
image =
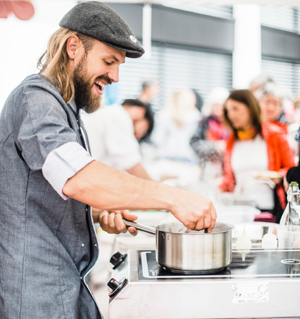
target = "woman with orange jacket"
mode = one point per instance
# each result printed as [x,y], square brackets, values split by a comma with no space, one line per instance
[254,147]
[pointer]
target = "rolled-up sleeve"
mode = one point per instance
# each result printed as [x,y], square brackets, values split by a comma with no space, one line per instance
[63,163]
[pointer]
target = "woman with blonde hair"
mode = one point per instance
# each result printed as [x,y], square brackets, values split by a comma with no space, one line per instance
[175,126]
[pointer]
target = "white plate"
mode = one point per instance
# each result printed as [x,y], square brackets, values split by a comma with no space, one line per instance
[267,174]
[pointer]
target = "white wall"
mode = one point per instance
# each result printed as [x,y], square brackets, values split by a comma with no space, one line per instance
[23,42]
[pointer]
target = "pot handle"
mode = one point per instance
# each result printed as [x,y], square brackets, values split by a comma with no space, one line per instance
[144,228]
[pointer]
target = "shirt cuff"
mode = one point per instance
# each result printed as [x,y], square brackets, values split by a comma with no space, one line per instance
[63,163]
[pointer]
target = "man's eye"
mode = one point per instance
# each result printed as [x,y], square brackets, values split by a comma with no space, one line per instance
[107,63]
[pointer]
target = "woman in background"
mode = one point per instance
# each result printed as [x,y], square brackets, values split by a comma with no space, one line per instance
[270,100]
[277,109]
[208,141]
[255,147]
[175,126]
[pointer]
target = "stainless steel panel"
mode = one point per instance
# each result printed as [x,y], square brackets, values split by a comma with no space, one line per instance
[200,298]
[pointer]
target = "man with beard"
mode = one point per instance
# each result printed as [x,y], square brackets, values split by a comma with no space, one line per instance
[49,180]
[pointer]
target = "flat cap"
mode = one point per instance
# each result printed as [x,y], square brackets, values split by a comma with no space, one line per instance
[100,22]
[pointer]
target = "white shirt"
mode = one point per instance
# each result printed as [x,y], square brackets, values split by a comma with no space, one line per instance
[247,158]
[111,136]
[172,141]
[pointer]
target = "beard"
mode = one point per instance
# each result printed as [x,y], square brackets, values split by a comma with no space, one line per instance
[84,98]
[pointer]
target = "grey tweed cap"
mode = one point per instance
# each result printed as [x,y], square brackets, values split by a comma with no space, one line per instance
[99,21]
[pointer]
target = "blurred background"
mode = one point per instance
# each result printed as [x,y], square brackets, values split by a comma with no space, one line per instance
[196,52]
[207,48]
[188,45]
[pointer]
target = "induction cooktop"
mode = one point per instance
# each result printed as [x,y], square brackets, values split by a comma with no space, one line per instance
[245,264]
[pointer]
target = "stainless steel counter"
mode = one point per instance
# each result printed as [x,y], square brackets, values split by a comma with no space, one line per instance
[265,285]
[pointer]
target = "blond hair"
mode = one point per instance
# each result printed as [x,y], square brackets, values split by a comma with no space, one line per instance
[217,95]
[183,101]
[56,61]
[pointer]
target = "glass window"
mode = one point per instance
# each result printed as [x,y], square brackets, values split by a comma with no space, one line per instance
[283,18]
[176,67]
[286,73]
[211,10]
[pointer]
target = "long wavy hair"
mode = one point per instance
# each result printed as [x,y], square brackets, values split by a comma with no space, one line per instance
[53,64]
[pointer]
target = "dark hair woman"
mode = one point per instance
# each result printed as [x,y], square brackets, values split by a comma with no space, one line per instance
[257,155]
[143,129]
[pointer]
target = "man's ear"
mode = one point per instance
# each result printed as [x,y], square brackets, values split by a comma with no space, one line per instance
[73,45]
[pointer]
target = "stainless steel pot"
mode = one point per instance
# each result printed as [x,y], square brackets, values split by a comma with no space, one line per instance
[185,251]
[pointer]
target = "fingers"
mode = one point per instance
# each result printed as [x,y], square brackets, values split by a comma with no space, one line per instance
[204,223]
[119,224]
[127,215]
[202,218]
[132,231]
[213,218]
[200,224]
[104,222]
[115,224]
[112,222]
[103,218]
[209,219]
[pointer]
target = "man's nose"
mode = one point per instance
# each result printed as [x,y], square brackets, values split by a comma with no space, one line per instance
[114,74]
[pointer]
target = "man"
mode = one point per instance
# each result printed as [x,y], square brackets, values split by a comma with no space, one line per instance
[114,132]
[150,89]
[47,243]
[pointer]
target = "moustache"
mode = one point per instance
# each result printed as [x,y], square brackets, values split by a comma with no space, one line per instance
[105,78]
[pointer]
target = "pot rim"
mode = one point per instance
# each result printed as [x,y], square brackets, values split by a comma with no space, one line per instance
[218,229]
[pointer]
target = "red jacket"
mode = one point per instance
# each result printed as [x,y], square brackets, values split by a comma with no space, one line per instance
[280,158]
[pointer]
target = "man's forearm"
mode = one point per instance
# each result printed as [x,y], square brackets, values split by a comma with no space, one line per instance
[103,187]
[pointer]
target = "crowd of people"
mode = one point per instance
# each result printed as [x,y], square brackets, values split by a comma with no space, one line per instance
[246,133]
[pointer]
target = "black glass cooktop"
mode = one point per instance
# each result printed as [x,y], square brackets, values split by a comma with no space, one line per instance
[254,264]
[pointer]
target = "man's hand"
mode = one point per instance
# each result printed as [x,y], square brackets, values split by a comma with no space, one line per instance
[111,221]
[195,211]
